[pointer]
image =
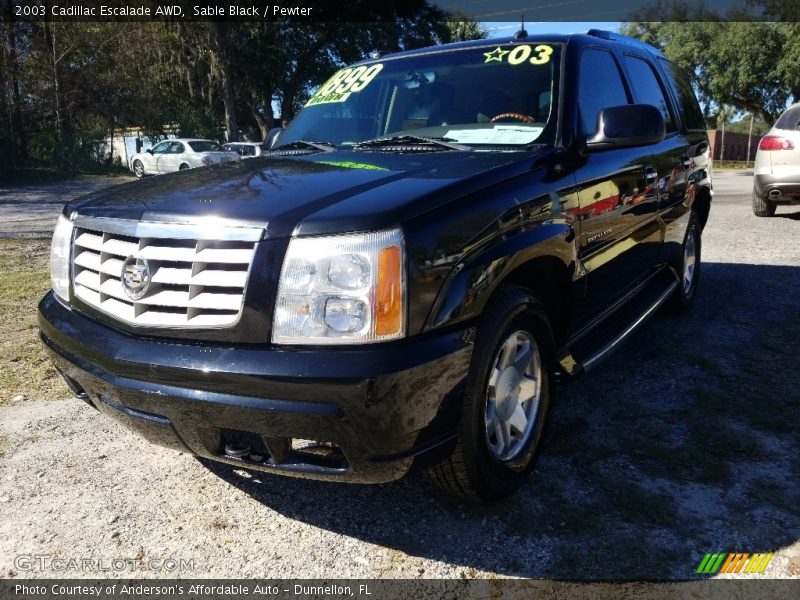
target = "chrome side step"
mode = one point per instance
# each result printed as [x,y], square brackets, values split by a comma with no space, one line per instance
[580,353]
[588,363]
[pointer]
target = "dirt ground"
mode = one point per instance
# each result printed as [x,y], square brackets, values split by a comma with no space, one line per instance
[683,442]
[32,210]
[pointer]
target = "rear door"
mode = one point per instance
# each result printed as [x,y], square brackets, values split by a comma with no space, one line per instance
[682,160]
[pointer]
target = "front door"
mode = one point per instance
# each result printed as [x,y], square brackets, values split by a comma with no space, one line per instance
[619,230]
[170,160]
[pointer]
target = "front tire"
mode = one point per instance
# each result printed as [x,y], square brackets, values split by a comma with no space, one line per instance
[506,401]
[762,207]
[138,169]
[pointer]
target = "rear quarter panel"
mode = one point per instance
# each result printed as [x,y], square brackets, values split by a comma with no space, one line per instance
[786,163]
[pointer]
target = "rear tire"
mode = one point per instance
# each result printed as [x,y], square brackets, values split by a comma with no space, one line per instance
[183,167]
[505,403]
[689,268]
[762,207]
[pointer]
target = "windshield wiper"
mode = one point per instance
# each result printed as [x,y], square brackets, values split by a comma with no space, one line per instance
[305,146]
[414,143]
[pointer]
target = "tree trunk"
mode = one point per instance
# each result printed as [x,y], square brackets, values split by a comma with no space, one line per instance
[219,30]
[16,129]
[58,103]
[264,119]
[7,163]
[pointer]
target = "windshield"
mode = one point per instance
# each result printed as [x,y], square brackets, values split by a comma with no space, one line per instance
[501,95]
[203,146]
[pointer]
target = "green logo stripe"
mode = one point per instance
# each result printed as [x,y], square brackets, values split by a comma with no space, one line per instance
[703,563]
[711,563]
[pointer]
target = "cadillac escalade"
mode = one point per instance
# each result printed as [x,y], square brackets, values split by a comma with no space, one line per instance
[438,238]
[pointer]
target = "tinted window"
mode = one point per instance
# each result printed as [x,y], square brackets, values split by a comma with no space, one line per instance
[690,109]
[646,88]
[175,148]
[790,119]
[203,146]
[600,86]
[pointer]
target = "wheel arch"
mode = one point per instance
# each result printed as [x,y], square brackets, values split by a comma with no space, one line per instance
[702,205]
[540,260]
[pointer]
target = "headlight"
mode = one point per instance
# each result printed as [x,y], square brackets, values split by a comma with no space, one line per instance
[343,289]
[59,257]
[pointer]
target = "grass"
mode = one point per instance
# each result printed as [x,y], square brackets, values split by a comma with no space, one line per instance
[25,369]
[732,164]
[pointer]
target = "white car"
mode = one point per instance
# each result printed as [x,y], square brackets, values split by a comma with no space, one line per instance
[777,168]
[245,149]
[177,155]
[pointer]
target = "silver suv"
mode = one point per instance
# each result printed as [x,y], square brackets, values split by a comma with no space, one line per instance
[777,166]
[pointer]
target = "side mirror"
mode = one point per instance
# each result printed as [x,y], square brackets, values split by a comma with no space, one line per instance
[627,126]
[149,150]
[272,137]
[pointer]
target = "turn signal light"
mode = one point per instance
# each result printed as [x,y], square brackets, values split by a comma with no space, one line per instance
[388,295]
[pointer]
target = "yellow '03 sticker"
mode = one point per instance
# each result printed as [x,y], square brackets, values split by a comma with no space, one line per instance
[344,83]
[522,54]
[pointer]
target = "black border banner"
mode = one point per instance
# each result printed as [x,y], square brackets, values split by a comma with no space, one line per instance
[340,589]
[373,11]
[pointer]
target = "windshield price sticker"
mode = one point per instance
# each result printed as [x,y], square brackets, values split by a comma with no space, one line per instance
[343,83]
[537,55]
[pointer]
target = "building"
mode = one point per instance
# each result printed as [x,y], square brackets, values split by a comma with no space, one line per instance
[735,145]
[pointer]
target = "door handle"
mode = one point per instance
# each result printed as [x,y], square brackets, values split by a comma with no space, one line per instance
[650,175]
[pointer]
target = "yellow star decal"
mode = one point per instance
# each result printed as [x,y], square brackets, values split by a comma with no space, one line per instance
[496,54]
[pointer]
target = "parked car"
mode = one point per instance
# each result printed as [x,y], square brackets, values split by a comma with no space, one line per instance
[404,277]
[777,168]
[177,155]
[245,149]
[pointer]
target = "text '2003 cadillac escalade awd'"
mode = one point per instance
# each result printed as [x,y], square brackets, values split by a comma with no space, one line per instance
[436,237]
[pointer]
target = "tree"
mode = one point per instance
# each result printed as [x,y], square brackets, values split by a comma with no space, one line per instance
[751,66]
[66,85]
[462,28]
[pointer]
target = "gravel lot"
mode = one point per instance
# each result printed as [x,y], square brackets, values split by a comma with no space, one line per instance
[683,442]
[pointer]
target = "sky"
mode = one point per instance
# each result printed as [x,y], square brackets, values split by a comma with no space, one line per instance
[509,29]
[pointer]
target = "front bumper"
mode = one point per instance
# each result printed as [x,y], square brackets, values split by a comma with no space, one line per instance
[373,408]
[780,189]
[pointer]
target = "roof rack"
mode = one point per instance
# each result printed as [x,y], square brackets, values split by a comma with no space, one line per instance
[618,37]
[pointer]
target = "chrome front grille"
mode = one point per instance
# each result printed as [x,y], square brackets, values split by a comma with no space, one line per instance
[193,282]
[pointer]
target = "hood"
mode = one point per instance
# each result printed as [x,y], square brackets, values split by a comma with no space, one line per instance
[319,193]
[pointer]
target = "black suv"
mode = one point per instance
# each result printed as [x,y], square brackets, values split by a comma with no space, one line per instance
[437,237]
